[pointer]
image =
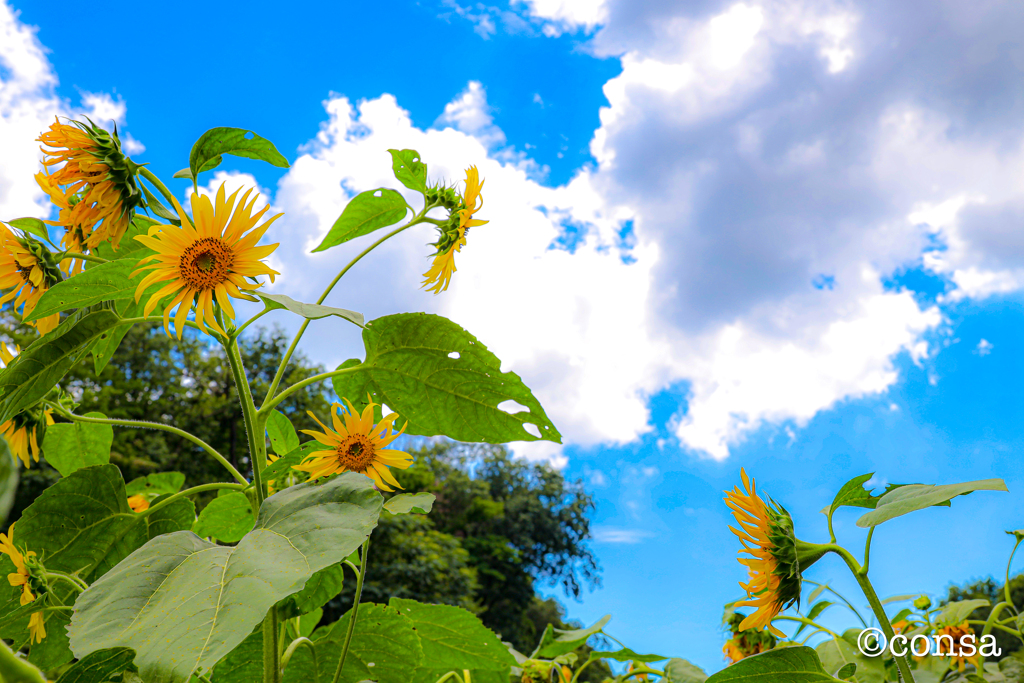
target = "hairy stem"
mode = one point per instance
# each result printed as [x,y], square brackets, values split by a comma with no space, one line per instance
[271,664]
[296,644]
[191,492]
[355,612]
[249,418]
[269,405]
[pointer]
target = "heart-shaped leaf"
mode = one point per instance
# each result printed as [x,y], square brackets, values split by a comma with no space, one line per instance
[240,142]
[70,447]
[366,212]
[799,664]
[409,169]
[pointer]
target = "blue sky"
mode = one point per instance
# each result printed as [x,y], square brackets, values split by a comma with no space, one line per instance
[783,236]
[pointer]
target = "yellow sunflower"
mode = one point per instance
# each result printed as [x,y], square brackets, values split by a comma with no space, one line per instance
[138,503]
[26,274]
[776,556]
[453,234]
[95,187]
[950,641]
[210,259]
[36,627]
[23,432]
[356,445]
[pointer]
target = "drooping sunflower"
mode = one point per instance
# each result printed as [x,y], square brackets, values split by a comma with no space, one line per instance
[950,642]
[209,258]
[356,445]
[96,182]
[21,577]
[776,556]
[27,273]
[744,644]
[453,233]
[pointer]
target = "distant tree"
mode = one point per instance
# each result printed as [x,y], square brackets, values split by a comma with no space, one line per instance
[991,590]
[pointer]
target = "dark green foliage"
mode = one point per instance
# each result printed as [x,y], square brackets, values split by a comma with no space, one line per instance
[991,590]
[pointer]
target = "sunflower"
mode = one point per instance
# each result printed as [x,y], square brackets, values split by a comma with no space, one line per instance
[23,432]
[138,503]
[776,556]
[453,233]
[356,445]
[25,271]
[21,577]
[95,188]
[744,644]
[209,261]
[950,641]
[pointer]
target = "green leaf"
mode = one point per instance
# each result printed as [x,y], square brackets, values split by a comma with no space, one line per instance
[404,503]
[156,483]
[226,518]
[215,142]
[798,664]
[552,645]
[36,370]
[154,205]
[177,516]
[308,311]
[409,169]
[914,497]
[32,226]
[283,437]
[8,481]
[244,664]
[70,447]
[366,212]
[836,653]
[452,639]
[283,465]
[817,592]
[625,655]
[816,609]
[955,613]
[385,642]
[103,350]
[681,671]
[846,671]
[105,282]
[854,494]
[53,651]
[99,666]
[443,381]
[318,591]
[309,622]
[181,602]
[129,247]
[185,173]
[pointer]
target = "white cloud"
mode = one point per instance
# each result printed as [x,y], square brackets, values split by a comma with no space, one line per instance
[470,113]
[984,347]
[565,15]
[610,534]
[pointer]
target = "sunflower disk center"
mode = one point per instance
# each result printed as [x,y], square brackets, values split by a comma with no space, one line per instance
[206,263]
[355,453]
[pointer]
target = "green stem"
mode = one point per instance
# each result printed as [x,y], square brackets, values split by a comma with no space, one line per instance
[142,424]
[295,644]
[993,616]
[809,622]
[848,604]
[269,405]
[158,184]
[84,257]
[979,622]
[355,612]
[191,492]
[860,574]
[249,418]
[78,584]
[14,669]
[271,664]
[867,550]
[418,218]
[1006,586]
[238,332]
[159,319]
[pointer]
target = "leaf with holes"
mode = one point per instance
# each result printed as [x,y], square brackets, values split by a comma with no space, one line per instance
[206,153]
[366,212]
[72,446]
[441,380]
[308,311]
[181,602]
[409,169]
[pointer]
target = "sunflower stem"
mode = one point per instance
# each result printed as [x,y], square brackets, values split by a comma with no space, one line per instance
[808,622]
[264,411]
[142,424]
[861,575]
[76,255]
[78,584]
[295,644]
[249,417]
[158,184]
[271,663]
[418,218]
[190,492]
[355,612]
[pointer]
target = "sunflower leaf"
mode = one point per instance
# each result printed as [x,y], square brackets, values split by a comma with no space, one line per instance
[105,282]
[552,645]
[99,666]
[36,370]
[441,380]
[72,446]
[308,311]
[159,483]
[157,207]
[283,437]
[226,518]
[33,226]
[207,151]
[366,212]
[798,664]
[181,602]
[681,671]
[404,503]
[409,169]
[912,497]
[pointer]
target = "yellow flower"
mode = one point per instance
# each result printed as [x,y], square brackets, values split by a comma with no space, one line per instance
[138,503]
[776,556]
[36,628]
[21,430]
[453,234]
[950,644]
[207,262]
[27,275]
[356,445]
[99,192]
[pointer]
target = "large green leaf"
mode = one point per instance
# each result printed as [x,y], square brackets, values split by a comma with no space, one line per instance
[106,282]
[318,591]
[366,212]
[556,641]
[915,497]
[158,483]
[309,311]
[181,602]
[799,664]
[854,494]
[283,437]
[404,503]
[32,226]
[215,142]
[72,446]
[36,370]
[836,653]
[443,381]
[178,515]
[226,518]
[99,666]
[955,613]
[53,651]
[129,247]
[409,169]
[681,671]
[8,481]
